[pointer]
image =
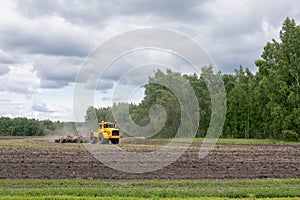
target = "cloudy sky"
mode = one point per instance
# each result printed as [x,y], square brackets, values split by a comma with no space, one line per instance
[43,43]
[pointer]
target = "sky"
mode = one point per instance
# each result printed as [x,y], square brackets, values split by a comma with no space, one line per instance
[43,44]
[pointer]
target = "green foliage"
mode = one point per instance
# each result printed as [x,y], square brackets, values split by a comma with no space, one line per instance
[290,135]
[241,107]
[20,127]
[33,127]
[279,84]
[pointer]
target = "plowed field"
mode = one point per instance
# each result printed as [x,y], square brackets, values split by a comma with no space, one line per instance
[35,158]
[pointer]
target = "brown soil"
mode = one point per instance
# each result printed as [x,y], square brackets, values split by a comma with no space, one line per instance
[227,161]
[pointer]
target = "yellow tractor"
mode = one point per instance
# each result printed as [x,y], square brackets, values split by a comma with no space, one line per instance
[107,131]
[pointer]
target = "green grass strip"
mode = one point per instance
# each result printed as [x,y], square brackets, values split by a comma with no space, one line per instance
[235,140]
[161,193]
[226,184]
[124,198]
[273,188]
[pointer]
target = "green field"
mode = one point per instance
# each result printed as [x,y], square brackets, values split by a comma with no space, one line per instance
[245,141]
[97,189]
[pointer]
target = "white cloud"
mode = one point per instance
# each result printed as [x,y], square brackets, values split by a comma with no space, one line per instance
[42,107]
[21,80]
[3,69]
[56,71]
[6,57]
[53,35]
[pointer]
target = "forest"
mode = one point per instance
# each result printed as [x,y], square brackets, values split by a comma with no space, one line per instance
[22,126]
[264,104]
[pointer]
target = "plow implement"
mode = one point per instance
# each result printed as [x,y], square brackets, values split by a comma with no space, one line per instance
[71,139]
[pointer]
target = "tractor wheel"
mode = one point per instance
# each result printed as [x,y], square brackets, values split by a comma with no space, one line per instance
[92,139]
[114,141]
[102,140]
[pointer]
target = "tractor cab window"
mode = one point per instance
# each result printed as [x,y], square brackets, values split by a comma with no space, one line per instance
[109,126]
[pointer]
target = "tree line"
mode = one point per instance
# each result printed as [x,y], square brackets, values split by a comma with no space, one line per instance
[260,105]
[22,126]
